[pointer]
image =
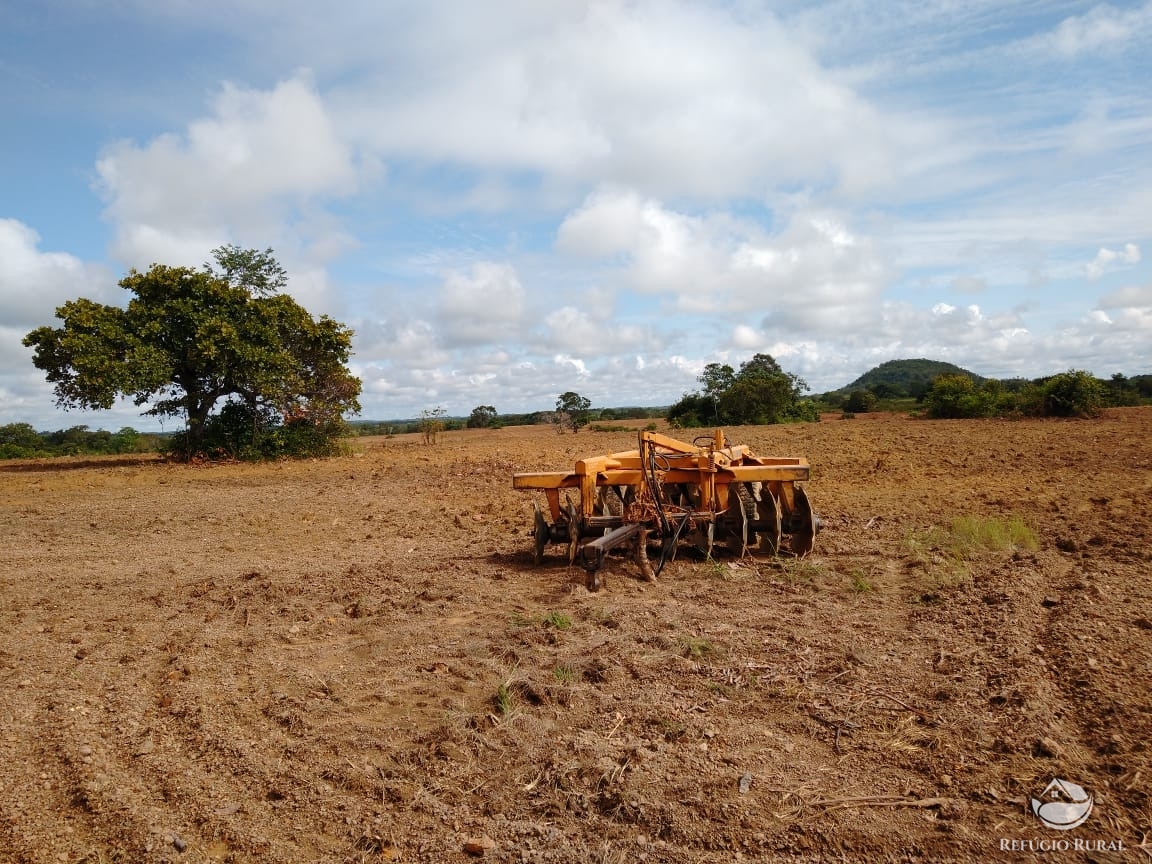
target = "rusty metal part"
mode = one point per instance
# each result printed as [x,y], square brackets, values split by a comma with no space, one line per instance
[575,524]
[642,557]
[705,493]
[592,553]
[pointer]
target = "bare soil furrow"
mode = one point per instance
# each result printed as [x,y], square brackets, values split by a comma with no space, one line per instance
[355,660]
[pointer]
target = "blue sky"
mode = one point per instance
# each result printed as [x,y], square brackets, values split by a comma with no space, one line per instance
[510,200]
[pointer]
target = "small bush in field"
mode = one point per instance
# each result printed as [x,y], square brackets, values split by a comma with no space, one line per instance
[860,402]
[1074,393]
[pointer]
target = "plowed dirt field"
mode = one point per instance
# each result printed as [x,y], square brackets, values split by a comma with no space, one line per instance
[355,660]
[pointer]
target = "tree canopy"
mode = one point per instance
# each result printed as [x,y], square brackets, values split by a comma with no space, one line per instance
[482,417]
[760,392]
[1075,393]
[189,340]
[572,410]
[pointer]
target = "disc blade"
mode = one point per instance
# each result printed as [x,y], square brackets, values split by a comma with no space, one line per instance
[768,511]
[540,531]
[804,524]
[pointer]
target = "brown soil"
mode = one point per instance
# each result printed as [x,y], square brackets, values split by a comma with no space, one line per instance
[355,659]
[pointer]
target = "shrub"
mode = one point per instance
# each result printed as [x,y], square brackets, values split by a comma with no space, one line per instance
[802,411]
[431,424]
[959,396]
[251,434]
[693,409]
[1074,393]
[861,402]
[20,441]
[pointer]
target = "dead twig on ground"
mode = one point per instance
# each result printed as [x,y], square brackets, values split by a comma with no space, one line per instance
[884,695]
[1144,845]
[619,720]
[880,801]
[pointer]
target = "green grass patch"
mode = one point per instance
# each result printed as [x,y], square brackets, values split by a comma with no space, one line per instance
[944,553]
[504,702]
[698,649]
[936,553]
[973,533]
[557,620]
[711,568]
[672,730]
[800,571]
[859,582]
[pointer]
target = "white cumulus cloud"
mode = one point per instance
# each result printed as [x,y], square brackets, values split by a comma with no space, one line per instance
[594,331]
[485,305]
[1132,296]
[1111,259]
[243,174]
[675,98]
[34,283]
[815,273]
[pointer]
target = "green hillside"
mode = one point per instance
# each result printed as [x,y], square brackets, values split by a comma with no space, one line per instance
[906,375]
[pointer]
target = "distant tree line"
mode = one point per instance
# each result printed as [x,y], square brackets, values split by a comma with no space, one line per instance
[21,441]
[487,417]
[759,392]
[1075,393]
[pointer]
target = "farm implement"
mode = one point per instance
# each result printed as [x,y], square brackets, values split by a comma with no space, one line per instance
[706,494]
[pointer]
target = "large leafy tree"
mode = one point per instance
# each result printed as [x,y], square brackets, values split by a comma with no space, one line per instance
[189,340]
[716,378]
[482,417]
[572,410]
[761,392]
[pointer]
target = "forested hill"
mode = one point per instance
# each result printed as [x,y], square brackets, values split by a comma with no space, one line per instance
[906,375]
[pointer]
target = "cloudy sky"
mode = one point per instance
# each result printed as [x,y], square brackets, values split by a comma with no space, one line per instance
[508,200]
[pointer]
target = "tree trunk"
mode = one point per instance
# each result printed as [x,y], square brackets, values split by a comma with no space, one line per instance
[197,407]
